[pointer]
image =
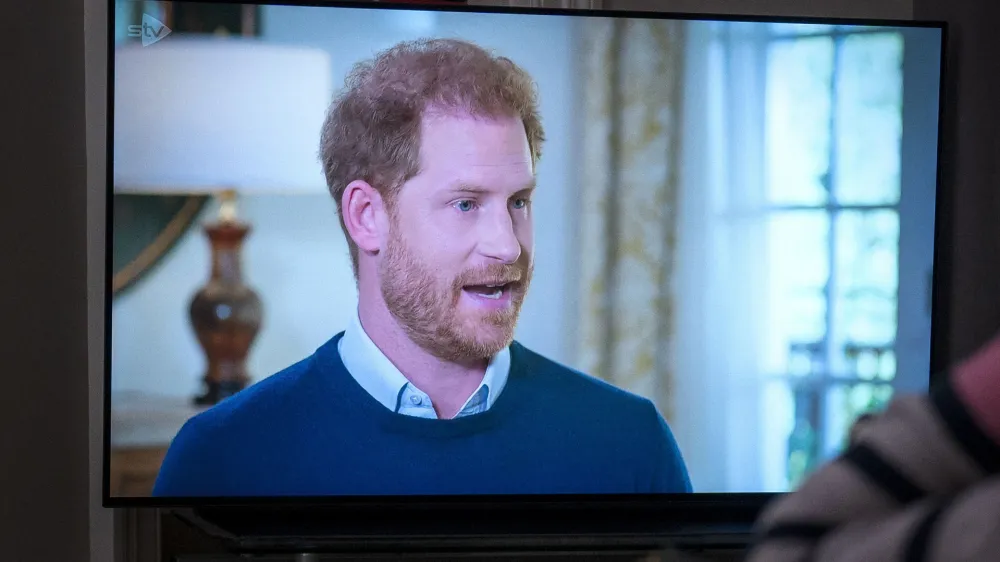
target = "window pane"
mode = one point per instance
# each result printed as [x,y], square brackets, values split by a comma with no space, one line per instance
[838,419]
[797,136]
[867,248]
[777,436]
[847,403]
[805,440]
[869,123]
[798,258]
[869,317]
[870,362]
[866,282]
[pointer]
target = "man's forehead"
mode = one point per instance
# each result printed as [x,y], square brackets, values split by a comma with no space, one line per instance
[437,113]
[483,150]
[460,151]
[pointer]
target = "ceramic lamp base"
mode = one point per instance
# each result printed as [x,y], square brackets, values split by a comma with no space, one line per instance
[226,315]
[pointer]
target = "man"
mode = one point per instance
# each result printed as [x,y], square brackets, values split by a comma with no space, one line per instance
[430,153]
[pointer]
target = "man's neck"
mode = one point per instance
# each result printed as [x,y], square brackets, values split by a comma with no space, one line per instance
[449,385]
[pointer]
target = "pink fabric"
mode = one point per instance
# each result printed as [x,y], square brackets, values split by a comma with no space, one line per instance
[977,382]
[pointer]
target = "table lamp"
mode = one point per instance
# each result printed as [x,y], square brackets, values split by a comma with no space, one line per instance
[225,117]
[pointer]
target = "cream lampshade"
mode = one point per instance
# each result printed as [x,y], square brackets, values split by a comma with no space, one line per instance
[224,117]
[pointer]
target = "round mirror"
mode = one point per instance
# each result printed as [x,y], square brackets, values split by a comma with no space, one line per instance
[146,228]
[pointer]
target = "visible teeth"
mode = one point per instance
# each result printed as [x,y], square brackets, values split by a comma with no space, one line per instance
[494,295]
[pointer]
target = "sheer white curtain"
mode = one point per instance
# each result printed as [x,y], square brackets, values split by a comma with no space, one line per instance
[722,267]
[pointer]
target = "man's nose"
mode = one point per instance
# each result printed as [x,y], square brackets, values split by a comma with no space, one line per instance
[499,241]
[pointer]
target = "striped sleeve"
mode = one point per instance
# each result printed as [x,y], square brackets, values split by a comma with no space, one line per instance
[910,481]
[960,529]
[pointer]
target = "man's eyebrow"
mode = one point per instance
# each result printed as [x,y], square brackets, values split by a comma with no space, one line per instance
[468,188]
[479,190]
[529,188]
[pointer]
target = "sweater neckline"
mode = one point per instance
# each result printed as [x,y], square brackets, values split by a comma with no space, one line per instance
[355,398]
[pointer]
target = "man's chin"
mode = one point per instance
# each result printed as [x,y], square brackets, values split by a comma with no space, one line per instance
[491,325]
[483,340]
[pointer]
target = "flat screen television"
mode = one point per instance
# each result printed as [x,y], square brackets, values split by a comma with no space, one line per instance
[429,256]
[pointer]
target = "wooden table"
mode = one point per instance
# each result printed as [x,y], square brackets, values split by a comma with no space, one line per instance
[142,427]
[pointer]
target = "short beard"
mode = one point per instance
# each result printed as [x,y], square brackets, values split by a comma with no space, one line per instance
[427,309]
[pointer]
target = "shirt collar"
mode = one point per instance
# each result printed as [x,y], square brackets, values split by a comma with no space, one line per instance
[386,384]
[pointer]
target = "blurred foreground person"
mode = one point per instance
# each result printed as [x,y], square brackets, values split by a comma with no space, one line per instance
[919,482]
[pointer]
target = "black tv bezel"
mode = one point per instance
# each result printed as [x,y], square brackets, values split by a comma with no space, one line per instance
[673,511]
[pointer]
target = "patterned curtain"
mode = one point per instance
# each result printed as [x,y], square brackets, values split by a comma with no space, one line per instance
[632,91]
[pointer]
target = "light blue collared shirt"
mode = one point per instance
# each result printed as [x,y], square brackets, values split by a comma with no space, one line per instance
[386,384]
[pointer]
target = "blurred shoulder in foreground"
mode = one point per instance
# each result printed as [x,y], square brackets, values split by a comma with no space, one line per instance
[920,481]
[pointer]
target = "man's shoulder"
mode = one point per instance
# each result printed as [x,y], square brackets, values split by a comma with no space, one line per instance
[208,448]
[583,388]
[260,403]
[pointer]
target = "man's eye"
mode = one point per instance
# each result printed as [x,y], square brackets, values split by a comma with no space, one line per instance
[520,203]
[465,205]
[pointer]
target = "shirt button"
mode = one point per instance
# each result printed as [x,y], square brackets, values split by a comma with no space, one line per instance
[415,400]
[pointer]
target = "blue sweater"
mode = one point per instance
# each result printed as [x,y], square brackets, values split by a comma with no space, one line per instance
[312,430]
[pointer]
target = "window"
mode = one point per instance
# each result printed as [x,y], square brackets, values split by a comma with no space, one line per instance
[814,267]
[833,132]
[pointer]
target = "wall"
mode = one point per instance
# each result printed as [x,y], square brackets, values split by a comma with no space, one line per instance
[970,162]
[102,521]
[297,256]
[43,292]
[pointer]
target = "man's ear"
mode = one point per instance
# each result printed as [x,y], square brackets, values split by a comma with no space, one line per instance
[363,211]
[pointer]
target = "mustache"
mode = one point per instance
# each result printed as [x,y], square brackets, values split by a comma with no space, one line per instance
[494,274]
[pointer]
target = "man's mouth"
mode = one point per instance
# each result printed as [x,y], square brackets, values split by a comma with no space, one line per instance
[489,291]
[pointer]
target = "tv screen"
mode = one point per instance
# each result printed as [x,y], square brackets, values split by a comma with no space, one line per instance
[379,250]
